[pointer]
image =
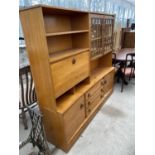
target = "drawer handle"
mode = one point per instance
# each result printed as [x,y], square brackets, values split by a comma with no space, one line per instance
[101,96]
[89,110]
[89,95]
[89,103]
[81,106]
[73,61]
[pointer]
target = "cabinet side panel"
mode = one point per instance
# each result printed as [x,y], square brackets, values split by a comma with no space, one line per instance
[36,46]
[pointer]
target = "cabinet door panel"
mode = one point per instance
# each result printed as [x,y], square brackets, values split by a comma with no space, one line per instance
[70,71]
[74,117]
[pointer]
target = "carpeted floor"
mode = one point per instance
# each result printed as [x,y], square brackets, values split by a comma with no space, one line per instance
[111,132]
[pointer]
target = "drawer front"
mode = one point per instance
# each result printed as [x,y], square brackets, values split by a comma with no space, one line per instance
[74,117]
[70,71]
[92,91]
[92,104]
[107,82]
[93,96]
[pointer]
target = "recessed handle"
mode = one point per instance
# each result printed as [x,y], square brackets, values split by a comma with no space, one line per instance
[81,106]
[102,90]
[89,110]
[73,61]
[89,103]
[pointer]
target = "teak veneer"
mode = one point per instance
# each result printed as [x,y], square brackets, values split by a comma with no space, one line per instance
[70,55]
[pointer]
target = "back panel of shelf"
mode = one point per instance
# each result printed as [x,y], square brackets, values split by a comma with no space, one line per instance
[65,22]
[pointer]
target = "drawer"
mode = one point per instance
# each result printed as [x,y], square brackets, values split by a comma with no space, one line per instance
[92,104]
[74,117]
[92,91]
[91,99]
[68,72]
[107,82]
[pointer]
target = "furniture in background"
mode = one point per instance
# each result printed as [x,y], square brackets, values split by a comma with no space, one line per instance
[37,134]
[27,95]
[128,68]
[127,38]
[120,60]
[70,54]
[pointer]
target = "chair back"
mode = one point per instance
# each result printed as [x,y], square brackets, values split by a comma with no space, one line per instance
[130,61]
[27,90]
[113,59]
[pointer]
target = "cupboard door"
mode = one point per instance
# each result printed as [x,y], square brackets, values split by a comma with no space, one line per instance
[107,82]
[70,71]
[74,117]
[96,35]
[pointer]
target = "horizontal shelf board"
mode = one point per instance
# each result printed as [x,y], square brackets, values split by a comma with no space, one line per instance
[65,32]
[97,56]
[92,39]
[66,53]
[67,100]
[100,72]
[100,55]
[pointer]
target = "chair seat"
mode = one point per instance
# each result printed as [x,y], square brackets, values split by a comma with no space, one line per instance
[127,71]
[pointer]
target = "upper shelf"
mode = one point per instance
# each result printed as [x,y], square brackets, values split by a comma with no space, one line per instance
[66,32]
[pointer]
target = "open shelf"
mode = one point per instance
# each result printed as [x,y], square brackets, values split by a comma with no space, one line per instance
[66,53]
[65,32]
[99,72]
[97,56]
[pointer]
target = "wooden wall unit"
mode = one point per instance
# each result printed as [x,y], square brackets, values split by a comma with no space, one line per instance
[71,63]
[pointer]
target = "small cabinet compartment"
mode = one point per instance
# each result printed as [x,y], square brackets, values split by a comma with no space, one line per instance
[74,117]
[107,82]
[68,72]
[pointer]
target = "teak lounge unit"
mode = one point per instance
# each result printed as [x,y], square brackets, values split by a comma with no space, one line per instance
[70,54]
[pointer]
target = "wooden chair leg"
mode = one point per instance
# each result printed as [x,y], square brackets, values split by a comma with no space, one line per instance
[123,79]
[24,119]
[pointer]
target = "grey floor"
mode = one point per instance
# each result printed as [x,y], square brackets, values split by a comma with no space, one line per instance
[111,132]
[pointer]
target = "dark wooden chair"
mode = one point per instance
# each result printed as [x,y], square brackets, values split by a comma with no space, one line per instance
[128,69]
[37,134]
[116,65]
[27,95]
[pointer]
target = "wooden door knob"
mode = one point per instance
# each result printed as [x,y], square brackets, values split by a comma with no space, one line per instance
[73,61]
